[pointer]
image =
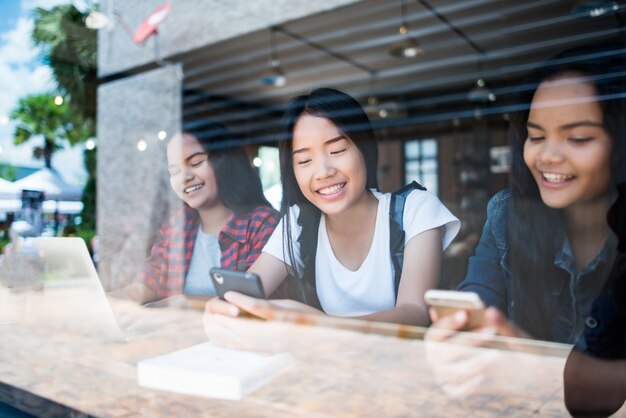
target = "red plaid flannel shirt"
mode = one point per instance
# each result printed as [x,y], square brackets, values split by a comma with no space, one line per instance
[241,241]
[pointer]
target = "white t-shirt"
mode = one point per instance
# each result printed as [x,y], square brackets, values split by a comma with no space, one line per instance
[369,289]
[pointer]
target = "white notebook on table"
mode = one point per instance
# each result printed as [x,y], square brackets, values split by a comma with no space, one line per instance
[211,371]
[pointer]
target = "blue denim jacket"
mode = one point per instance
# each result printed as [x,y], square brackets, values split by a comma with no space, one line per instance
[571,292]
[605,328]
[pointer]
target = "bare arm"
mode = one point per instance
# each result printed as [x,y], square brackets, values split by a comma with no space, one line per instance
[594,386]
[421,268]
[271,270]
[420,271]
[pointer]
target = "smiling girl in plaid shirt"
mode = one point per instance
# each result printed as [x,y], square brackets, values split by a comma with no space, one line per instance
[225,221]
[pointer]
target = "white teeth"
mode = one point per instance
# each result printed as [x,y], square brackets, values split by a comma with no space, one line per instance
[193,188]
[556,178]
[332,189]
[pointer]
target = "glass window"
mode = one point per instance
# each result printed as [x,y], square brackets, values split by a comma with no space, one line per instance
[420,163]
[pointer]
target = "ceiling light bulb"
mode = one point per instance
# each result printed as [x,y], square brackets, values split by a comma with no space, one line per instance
[276,76]
[411,52]
[594,8]
[406,48]
[480,93]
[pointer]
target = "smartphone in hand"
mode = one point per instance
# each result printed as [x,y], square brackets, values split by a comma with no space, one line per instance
[447,302]
[238,281]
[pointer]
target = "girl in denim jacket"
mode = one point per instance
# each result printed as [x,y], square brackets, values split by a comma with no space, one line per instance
[546,249]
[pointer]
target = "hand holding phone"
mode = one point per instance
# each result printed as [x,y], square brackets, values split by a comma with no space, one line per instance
[447,302]
[238,281]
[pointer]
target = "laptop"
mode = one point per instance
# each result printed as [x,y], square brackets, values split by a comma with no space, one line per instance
[70,283]
[65,291]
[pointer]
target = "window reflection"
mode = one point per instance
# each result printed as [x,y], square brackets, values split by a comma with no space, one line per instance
[447,117]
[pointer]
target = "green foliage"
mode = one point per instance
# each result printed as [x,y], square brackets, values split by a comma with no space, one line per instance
[70,49]
[86,234]
[37,114]
[8,171]
[89,193]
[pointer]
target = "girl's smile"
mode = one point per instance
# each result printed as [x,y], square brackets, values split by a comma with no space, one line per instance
[330,192]
[192,189]
[556,178]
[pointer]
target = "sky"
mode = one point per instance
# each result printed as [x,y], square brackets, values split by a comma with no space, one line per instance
[23,73]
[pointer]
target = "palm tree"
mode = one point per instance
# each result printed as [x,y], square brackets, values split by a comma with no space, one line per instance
[70,49]
[38,114]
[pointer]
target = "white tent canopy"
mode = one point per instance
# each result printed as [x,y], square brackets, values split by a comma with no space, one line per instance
[48,206]
[50,182]
[10,205]
[63,207]
[8,190]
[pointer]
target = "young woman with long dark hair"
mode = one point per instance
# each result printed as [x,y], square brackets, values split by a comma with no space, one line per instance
[225,220]
[546,249]
[334,235]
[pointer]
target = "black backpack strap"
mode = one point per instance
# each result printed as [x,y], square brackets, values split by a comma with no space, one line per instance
[396,229]
[309,220]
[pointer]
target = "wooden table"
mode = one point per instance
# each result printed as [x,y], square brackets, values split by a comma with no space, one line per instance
[50,369]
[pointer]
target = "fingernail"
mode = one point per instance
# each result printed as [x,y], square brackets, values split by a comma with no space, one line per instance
[233,311]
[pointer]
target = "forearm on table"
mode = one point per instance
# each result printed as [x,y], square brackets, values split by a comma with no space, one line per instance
[408,314]
[593,385]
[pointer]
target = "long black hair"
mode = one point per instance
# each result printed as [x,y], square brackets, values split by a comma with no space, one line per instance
[536,231]
[350,118]
[238,183]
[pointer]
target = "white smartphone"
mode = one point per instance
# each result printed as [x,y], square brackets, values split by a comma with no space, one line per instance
[447,302]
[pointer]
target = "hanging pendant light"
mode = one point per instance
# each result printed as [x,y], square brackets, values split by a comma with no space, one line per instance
[275,75]
[408,46]
[480,93]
